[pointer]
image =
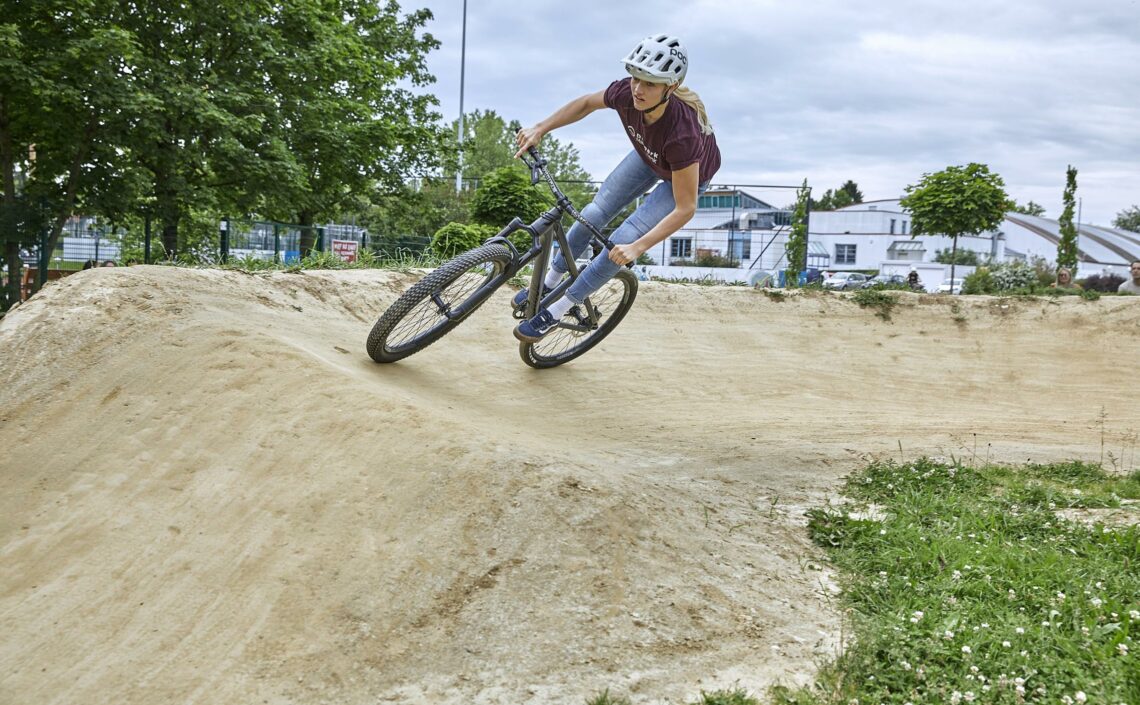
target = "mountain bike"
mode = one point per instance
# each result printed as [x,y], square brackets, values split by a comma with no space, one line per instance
[443,299]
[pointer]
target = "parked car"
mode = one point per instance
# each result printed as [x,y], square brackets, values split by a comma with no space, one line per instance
[951,286]
[845,280]
[884,280]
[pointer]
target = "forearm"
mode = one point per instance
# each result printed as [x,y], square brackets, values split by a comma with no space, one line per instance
[671,223]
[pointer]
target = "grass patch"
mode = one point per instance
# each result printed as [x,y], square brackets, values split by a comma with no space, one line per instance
[877,299]
[971,589]
[719,697]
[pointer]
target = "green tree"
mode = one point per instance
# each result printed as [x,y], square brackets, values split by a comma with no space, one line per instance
[347,124]
[964,257]
[1128,219]
[956,201]
[1067,246]
[66,95]
[795,250]
[489,144]
[846,195]
[1030,208]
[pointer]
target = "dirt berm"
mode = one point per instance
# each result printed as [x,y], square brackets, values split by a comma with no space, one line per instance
[212,495]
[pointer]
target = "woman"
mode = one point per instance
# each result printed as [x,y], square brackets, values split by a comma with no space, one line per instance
[672,142]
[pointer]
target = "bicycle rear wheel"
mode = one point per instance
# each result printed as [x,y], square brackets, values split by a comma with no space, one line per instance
[585,325]
[439,302]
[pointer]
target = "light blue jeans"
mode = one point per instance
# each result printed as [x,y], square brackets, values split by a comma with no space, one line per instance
[629,180]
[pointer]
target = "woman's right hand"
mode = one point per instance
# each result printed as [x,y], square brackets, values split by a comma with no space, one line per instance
[526,138]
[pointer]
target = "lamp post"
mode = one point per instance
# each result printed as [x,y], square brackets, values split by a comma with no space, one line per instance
[462,70]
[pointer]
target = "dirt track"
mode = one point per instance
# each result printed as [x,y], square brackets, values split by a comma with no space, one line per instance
[212,495]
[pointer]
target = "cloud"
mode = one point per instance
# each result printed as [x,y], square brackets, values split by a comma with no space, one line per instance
[831,91]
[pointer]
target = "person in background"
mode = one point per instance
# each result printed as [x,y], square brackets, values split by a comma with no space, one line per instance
[1064,280]
[1131,286]
[913,281]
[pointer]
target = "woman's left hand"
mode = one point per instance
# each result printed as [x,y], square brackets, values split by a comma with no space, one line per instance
[624,254]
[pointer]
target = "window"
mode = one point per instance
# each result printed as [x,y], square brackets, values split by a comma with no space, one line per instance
[904,228]
[681,248]
[845,254]
[740,247]
[892,226]
[729,201]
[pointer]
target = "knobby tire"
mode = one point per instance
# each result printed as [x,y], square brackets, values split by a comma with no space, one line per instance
[420,316]
[568,340]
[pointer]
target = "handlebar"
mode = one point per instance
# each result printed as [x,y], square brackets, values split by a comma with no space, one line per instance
[538,171]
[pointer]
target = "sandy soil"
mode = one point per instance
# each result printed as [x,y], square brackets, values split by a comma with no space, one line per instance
[212,495]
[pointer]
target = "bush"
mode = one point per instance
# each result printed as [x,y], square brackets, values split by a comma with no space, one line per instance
[454,238]
[980,281]
[507,193]
[1106,283]
[708,260]
[1009,276]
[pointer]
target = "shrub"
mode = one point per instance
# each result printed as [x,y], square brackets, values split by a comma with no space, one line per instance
[1014,275]
[980,281]
[454,238]
[504,194]
[1106,283]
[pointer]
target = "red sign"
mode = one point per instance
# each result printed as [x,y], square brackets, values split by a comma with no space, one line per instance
[345,249]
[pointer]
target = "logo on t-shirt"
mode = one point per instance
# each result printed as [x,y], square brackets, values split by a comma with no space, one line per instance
[641,141]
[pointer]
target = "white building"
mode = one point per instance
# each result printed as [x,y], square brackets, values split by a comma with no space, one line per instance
[870,236]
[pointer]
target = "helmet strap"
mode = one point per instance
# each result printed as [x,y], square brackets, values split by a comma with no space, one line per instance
[664,99]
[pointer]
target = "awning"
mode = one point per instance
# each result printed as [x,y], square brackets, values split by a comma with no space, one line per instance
[907,246]
[816,249]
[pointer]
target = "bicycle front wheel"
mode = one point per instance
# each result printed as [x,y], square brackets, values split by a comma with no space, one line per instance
[439,302]
[585,325]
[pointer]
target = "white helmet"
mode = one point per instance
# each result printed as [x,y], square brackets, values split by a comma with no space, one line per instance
[660,58]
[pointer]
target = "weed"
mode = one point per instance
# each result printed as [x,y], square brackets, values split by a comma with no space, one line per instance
[877,299]
[968,587]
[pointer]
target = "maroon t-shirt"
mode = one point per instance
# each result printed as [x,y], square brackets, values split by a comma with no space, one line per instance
[673,142]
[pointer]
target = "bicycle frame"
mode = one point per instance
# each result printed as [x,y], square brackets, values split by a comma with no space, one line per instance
[544,231]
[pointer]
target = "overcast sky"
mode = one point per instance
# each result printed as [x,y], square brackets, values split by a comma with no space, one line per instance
[879,93]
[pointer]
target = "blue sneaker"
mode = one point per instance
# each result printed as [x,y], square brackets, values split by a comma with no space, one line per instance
[532,331]
[520,298]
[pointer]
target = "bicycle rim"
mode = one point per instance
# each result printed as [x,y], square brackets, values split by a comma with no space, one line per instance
[576,333]
[426,312]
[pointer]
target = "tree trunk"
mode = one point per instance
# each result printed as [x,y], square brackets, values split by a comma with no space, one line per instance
[65,207]
[11,292]
[953,262]
[169,213]
[308,233]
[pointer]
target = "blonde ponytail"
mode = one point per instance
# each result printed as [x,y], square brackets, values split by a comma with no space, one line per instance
[691,99]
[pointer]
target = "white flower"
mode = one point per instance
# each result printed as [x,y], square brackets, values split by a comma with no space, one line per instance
[1096,602]
[957,575]
[1123,649]
[966,650]
[968,696]
[1020,630]
[1134,614]
[1080,696]
[1006,644]
[955,698]
[1061,596]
